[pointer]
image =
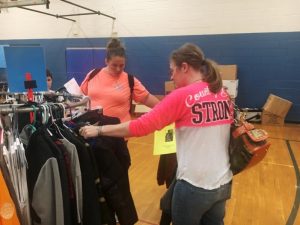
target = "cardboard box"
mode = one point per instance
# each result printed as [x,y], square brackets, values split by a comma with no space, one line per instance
[228,72]
[277,106]
[169,86]
[231,87]
[268,118]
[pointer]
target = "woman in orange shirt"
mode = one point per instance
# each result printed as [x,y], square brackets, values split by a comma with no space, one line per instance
[109,89]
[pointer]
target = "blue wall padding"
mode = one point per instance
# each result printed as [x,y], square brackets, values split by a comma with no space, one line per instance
[267,62]
[81,60]
[23,60]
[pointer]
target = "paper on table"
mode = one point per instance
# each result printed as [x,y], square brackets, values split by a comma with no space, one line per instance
[73,87]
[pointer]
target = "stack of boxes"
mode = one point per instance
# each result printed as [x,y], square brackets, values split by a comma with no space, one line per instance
[229,77]
[275,110]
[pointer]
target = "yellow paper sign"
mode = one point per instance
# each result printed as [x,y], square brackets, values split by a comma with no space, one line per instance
[164,140]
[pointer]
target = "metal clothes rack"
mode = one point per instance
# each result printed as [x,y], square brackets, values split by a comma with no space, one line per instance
[14,108]
[91,11]
[18,95]
[48,93]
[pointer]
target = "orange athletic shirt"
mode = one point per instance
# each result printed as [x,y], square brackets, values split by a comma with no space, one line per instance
[8,215]
[112,93]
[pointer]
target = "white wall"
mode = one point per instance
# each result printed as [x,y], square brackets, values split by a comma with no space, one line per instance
[152,18]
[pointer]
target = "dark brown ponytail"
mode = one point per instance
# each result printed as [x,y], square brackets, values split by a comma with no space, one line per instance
[193,55]
[211,75]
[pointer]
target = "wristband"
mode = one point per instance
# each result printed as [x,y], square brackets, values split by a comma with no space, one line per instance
[99,130]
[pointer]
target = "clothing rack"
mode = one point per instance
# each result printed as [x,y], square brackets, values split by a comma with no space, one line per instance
[14,108]
[42,93]
[46,93]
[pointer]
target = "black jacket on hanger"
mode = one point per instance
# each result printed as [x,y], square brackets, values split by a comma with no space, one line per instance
[113,161]
[46,172]
[91,195]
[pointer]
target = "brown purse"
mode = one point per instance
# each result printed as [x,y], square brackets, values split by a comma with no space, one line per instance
[248,145]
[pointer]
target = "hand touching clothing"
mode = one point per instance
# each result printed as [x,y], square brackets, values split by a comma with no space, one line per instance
[90,131]
[117,130]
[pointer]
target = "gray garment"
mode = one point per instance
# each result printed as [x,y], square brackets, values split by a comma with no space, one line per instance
[47,200]
[76,175]
[24,198]
[26,132]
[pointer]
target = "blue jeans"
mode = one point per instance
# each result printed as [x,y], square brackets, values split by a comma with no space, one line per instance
[197,206]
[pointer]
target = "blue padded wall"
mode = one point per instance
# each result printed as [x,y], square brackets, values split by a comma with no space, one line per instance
[82,60]
[267,62]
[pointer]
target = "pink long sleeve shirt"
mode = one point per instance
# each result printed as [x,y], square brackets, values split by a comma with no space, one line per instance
[202,121]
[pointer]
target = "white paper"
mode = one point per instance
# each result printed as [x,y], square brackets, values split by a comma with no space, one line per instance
[73,87]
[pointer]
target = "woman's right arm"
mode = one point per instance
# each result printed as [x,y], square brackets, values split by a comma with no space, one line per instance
[84,86]
[117,130]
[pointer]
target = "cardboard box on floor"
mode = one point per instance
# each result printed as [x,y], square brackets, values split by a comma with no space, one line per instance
[275,110]
[271,119]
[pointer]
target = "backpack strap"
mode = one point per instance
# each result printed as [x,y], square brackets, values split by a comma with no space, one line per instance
[94,73]
[131,85]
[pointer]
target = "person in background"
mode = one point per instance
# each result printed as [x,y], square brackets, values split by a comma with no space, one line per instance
[49,79]
[109,88]
[50,97]
[202,112]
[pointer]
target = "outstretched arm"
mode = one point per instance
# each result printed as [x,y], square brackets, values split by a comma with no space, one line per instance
[118,130]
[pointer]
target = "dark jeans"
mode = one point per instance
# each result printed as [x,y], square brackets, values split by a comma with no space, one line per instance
[197,206]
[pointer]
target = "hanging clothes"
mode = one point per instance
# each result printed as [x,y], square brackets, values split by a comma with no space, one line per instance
[75,175]
[52,192]
[95,210]
[113,160]
[13,155]
[49,164]
[72,198]
[166,170]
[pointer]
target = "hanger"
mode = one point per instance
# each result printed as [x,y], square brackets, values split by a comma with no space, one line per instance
[52,126]
[45,114]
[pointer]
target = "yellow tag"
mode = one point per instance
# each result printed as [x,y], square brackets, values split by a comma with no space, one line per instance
[165,140]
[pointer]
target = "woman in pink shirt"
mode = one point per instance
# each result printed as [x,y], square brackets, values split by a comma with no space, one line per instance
[109,89]
[202,112]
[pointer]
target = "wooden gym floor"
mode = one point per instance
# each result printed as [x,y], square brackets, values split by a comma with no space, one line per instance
[268,194]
